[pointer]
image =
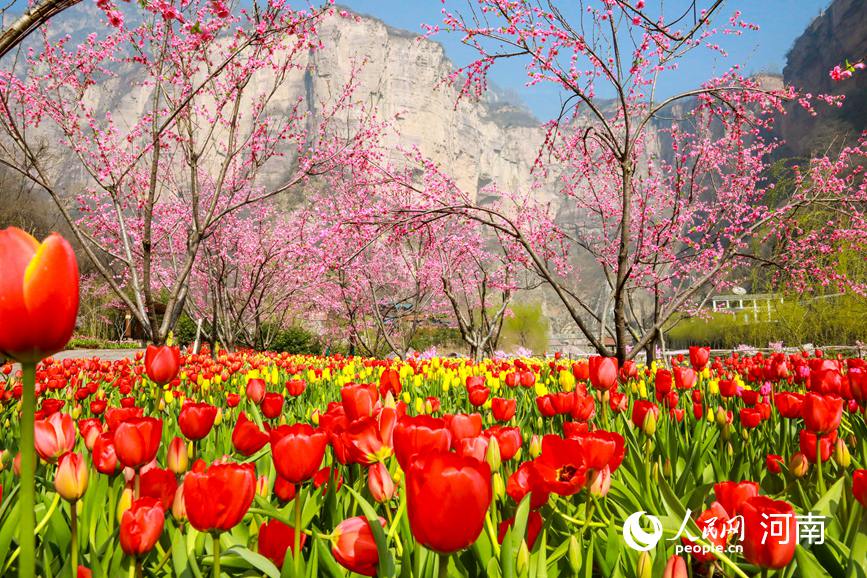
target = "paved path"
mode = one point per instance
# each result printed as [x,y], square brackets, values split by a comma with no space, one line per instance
[106,354]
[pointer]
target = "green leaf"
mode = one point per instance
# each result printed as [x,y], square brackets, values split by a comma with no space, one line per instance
[258,561]
[386,567]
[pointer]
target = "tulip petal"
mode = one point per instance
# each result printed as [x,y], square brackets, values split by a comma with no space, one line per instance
[51,292]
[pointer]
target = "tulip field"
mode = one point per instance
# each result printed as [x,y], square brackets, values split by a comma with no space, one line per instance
[263,464]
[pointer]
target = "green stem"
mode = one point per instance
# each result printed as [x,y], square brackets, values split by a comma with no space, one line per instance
[216,555]
[27,496]
[73,542]
[444,566]
[296,548]
[819,465]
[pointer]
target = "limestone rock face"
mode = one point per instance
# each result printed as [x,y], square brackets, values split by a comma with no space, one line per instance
[834,36]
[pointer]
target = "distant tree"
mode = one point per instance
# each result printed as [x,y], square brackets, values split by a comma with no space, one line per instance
[526,326]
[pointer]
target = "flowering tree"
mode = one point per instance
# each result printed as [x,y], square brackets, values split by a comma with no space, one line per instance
[660,228]
[202,82]
[249,277]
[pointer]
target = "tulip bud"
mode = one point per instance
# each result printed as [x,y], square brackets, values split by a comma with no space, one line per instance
[721,417]
[666,468]
[76,412]
[522,565]
[177,458]
[389,401]
[124,503]
[492,456]
[730,450]
[599,482]
[219,418]
[649,424]
[70,480]
[179,508]
[799,465]
[645,566]
[535,446]
[841,454]
[498,486]
[574,555]
[379,483]
[726,432]
[262,488]
[654,472]
[675,568]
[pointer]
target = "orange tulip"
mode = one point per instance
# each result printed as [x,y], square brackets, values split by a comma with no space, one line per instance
[38,295]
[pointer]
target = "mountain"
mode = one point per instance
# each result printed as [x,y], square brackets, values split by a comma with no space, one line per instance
[837,34]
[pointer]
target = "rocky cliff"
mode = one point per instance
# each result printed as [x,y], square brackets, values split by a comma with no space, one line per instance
[839,33]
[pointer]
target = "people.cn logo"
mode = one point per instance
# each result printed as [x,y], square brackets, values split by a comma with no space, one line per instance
[636,537]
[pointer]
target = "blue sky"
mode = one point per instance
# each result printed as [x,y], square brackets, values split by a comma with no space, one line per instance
[780,23]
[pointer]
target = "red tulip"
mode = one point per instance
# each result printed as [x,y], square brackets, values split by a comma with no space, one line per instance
[478,395]
[750,417]
[255,390]
[822,413]
[54,436]
[789,404]
[196,419]
[712,523]
[159,484]
[275,538]
[772,462]
[218,498]
[807,442]
[603,372]
[359,400]
[379,482]
[297,451]
[103,454]
[38,295]
[462,425]
[141,526]
[162,363]
[640,410]
[354,546]
[137,440]
[416,435]
[662,382]
[176,457]
[114,416]
[247,437]
[233,399]
[389,381]
[284,490]
[698,357]
[447,499]
[684,377]
[762,547]
[534,526]
[525,481]
[732,495]
[859,486]
[561,466]
[508,438]
[503,409]
[70,479]
[272,405]
[675,567]
[295,387]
